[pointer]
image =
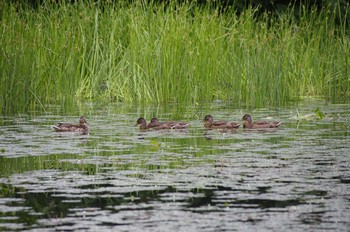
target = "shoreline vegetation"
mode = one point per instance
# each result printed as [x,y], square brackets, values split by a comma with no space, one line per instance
[159,53]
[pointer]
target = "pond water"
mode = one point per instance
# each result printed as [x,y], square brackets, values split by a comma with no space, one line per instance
[119,178]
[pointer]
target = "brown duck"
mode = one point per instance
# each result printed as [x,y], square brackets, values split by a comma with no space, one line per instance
[155,124]
[167,125]
[210,124]
[142,123]
[248,123]
[68,127]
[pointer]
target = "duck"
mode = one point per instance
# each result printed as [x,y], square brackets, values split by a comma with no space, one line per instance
[142,123]
[155,124]
[83,126]
[210,124]
[167,125]
[248,123]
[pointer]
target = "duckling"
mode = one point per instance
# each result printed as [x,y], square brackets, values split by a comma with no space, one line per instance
[83,126]
[248,124]
[210,124]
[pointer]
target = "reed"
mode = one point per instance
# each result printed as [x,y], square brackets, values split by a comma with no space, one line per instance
[177,53]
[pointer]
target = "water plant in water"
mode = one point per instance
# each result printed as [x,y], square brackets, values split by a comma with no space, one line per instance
[319,113]
[159,53]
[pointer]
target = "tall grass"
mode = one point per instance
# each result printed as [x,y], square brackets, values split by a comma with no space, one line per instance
[159,54]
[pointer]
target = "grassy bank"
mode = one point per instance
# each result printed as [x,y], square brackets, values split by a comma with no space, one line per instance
[148,54]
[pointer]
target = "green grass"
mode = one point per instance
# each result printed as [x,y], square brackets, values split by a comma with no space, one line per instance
[156,54]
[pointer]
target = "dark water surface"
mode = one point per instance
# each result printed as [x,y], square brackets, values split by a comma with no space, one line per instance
[119,178]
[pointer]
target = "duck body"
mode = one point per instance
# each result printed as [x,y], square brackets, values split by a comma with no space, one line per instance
[68,127]
[156,125]
[248,123]
[210,124]
[167,125]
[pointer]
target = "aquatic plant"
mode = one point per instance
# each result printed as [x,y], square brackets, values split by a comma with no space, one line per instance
[180,53]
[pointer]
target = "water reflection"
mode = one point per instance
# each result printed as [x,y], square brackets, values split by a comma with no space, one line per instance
[120,178]
[82,136]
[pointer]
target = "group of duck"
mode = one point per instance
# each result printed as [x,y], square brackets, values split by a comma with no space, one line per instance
[209,123]
[208,120]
